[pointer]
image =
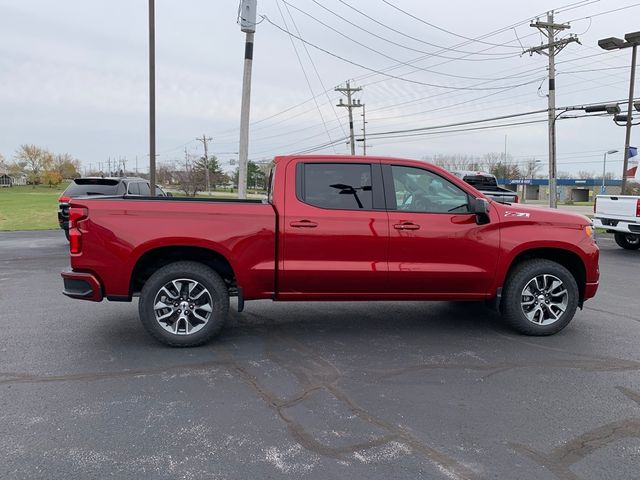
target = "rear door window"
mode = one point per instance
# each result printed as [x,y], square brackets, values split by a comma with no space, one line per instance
[340,186]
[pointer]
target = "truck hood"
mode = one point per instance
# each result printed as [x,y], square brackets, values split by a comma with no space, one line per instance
[542,215]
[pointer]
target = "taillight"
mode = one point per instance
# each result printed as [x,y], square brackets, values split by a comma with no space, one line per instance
[516,200]
[637,208]
[64,199]
[76,214]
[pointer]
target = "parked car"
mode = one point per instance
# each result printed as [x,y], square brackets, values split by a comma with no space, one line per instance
[620,215]
[487,184]
[332,228]
[117,186]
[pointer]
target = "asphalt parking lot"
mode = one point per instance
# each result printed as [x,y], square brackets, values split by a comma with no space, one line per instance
[341,390]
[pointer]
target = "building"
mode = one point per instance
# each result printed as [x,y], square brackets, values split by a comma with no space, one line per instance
[569,189]
[5,180]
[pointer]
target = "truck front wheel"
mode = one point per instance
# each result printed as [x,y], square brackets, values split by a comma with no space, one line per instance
[627,241]
[184,304]
[540,297]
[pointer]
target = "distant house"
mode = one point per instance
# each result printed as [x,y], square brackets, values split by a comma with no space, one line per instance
[19,179]
[5,180]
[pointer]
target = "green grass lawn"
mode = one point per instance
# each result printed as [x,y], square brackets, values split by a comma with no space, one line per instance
[27,208]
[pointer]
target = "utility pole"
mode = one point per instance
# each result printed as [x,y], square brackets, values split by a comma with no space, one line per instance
[136,165]
[247,17]
[205,142]
[350,105]
[551,49]
[152,98]
[364,131]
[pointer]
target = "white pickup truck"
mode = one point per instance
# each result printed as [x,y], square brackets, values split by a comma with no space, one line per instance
[620,215]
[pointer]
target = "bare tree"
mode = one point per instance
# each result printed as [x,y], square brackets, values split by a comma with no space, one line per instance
[563,174]
[36,161]
[190,179]
[491,161]
[531,167]
[585,174]
[456,161]
[66,166]
[164,174]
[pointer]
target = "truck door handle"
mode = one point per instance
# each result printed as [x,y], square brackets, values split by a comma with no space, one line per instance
[406,226]
[303,224]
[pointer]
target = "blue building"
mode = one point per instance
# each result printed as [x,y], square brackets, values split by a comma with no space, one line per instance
[569,189]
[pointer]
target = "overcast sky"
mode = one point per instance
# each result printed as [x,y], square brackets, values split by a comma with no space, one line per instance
[74,78]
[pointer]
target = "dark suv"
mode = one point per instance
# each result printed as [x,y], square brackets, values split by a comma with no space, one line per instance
[112,186]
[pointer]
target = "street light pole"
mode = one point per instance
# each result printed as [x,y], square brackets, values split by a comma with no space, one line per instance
[631,40]
[627,139]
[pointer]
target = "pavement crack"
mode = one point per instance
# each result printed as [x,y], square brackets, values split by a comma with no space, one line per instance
[635,396]
[315,373]
[629,317]
[560,459]
[15,378]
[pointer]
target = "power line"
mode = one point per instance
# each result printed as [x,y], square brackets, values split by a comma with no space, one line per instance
[304,72]
[443,29]
[606,12]
[407,36]
[384,54]
[449,87]
[315,69]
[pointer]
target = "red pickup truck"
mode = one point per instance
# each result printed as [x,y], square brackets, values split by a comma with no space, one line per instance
[332,228]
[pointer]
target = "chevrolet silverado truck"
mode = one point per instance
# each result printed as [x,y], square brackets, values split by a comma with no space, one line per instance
[620,215]
[332,228]
[487,184]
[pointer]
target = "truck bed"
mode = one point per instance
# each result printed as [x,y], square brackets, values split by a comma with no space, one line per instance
[120,230]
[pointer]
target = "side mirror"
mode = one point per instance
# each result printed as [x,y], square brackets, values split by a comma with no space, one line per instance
[480,207]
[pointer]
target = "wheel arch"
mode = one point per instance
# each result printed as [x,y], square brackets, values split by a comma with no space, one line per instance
[568,259]
[158,257]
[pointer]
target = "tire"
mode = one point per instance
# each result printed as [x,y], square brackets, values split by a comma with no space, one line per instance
[184,287]
[628,241]
[533,301]
[66,234]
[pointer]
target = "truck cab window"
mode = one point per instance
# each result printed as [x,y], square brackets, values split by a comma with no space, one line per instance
[419,190]
[337,186]
[134,188]
[144,189]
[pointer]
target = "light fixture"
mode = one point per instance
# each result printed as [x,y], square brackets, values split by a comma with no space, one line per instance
[611,43]
[633,37]
[611,108]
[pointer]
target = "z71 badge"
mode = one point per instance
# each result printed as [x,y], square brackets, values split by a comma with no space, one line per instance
[517,214]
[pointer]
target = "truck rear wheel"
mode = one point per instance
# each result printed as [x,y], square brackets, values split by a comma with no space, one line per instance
[540,297]
[628,241]
[184,304]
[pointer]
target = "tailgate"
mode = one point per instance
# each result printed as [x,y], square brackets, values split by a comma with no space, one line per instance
[622,207]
